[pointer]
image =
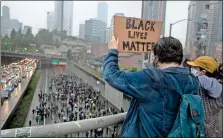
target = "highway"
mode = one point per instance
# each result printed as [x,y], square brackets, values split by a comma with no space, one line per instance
[47,72]
[10,103]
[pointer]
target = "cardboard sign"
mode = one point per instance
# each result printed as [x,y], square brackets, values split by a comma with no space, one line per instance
[136,35]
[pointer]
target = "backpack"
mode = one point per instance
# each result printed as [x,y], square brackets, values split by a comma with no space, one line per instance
[190,117]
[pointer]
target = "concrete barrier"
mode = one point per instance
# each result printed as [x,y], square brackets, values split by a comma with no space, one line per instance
[115,97]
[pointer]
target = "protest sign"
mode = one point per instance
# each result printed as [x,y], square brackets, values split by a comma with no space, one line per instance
[136,35]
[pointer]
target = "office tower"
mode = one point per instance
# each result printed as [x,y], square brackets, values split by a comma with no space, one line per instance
[212,27]
[26,29]
[50,21]
[217,44]
[81,31]
[112,19]
[5,13]
[5,20]
[219,22]
[95,30]
[153,10]
[109,34]
[201,28]
[15,24]
[102,13]
[64,16]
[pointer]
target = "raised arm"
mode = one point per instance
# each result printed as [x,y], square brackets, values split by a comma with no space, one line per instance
[135,84]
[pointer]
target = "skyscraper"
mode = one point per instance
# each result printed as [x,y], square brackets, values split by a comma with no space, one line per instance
[219,22]
[26,29]
[109,34]
[64,16]
[153,10]
[5,13]
[81,31]
[95,30]
[50,21]
[201,28]
[15,24]
[5,22]
[212,29]
[102,13]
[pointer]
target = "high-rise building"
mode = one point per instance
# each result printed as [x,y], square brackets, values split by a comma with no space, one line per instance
[5,13]
[95,30]
[212,27]
[26,29]
[112,19]
[50,21]
[153,10]
[102,13]
[81,31]
[64,16]
[219,22]
[109,34]
[4,26]
[201,28]
[15,24]
[5,20]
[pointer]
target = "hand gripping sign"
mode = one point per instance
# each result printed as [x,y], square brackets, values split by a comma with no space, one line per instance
[136,35]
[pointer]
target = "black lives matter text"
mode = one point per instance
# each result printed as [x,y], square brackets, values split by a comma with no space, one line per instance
[142,27]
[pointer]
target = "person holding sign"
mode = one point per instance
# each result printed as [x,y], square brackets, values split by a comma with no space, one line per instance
[156,92]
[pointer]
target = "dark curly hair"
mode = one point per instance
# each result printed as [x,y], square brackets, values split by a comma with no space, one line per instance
[168,50]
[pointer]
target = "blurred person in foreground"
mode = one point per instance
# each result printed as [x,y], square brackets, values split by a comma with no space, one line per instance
[218,74]
[154,91]
[205,69]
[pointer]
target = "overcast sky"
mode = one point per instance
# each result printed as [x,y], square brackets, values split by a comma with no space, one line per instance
[33,13]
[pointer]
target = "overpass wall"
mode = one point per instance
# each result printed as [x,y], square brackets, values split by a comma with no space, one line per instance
[114,96]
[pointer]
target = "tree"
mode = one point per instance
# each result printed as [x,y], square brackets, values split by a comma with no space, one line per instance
[44,37]
[69,55]
[6,43]
[19,32]
[13,35]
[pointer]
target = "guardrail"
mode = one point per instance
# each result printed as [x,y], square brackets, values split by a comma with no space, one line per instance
[63,129]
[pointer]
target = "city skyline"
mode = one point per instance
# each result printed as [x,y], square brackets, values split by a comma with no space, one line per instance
[80,14]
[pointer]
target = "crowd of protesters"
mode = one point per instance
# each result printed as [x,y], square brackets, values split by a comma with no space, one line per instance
[71,99]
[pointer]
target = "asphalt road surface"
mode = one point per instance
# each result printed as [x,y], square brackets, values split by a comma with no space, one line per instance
[45,80]
[11,102]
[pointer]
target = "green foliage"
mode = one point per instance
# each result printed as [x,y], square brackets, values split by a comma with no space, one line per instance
[44,37]
[13,35]
[19,116]
[128,68]
[6,43]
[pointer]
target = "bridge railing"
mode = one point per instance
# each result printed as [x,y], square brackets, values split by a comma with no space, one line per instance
[64,129]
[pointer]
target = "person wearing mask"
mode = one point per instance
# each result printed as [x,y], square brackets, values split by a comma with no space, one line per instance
[154,91]
[203,68]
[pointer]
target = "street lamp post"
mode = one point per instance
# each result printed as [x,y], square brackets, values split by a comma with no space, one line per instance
[171,24]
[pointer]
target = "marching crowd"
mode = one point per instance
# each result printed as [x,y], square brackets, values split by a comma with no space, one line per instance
[70,99]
